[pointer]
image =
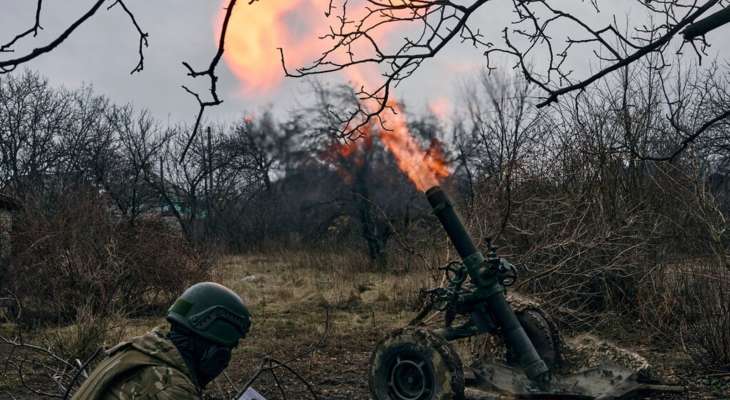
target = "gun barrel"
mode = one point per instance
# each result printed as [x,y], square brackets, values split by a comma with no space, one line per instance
[444,211]
[491,290]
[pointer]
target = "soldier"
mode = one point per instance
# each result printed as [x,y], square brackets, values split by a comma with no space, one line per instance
[206,323]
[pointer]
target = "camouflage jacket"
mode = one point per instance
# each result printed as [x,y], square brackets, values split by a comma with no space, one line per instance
[145,367]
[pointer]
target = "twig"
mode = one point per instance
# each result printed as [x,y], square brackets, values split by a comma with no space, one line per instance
[10,65]
[143,36]
[269,364]
[6,48]
[210,73]
[81,369]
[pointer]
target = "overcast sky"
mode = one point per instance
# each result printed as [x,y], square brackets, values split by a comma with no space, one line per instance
[104,50]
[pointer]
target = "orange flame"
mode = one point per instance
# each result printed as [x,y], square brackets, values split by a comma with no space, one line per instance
[425,168]
[355,150]
[348,157]
[256,31]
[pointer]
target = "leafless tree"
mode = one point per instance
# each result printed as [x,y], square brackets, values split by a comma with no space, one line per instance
[535,30]
[592,213]
[138,140]
[224,170]
[501,142]
[356,39]
[11,63]
[244,160]
[370,200]
[33,115]
[86,140]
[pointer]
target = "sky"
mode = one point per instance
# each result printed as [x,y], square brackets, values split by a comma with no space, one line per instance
[103,51]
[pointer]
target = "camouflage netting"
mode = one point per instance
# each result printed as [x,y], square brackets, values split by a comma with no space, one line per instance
[587,351]
[578,353]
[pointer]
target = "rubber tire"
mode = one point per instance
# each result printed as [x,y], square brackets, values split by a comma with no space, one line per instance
[443,363]
[543,334]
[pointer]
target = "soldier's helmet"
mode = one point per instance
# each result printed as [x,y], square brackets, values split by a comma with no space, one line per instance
[212,311]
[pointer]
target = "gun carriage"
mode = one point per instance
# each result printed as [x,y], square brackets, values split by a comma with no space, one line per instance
[417,363]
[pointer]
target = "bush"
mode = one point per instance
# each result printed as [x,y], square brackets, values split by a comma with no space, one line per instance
[72,254]
[689,305]
[706,316]
[88,333]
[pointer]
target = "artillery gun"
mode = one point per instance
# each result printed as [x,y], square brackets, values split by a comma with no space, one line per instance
[416,363]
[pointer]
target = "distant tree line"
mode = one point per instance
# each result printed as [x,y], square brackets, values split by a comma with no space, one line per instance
[242,185]
[619,149]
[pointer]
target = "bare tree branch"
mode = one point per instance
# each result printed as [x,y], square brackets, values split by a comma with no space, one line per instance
[655,45]
[81,368]
[34,30]
[10,65]
[689,139]
[142,35]
[210,73]
[356,40]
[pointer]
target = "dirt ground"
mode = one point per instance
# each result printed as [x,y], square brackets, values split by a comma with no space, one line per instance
[291,302]
[323,319]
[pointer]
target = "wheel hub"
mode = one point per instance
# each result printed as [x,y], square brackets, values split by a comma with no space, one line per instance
[409,379]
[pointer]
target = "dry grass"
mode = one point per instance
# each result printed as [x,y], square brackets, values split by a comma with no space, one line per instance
[289,294]
[689,304]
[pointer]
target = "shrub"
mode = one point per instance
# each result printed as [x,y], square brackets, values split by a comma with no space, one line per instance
[72,253]
[688,304]
[706,316]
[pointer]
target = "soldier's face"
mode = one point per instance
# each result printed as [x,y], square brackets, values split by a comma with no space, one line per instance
[214,361]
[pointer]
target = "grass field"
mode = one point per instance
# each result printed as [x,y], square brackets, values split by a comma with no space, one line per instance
[299,302]
[323,314]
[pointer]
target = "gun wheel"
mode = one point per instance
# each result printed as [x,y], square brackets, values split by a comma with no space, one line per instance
[415,364]
[544,336]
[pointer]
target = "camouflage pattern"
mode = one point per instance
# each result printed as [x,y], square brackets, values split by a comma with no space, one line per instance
[587,351]
[145,367]
[520,302]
